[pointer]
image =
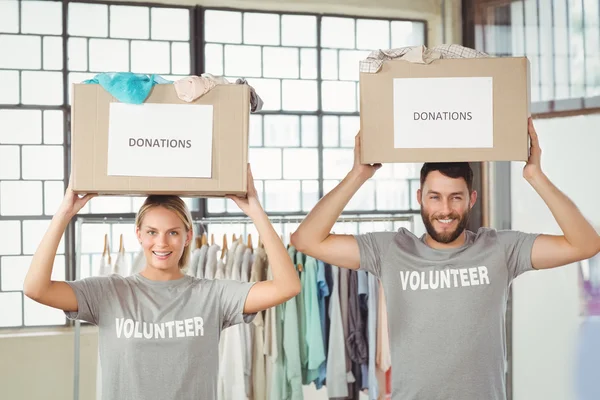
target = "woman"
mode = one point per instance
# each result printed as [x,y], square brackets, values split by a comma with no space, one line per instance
[159,330]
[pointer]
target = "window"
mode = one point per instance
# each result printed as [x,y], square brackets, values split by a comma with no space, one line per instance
[305,67]
[561,38]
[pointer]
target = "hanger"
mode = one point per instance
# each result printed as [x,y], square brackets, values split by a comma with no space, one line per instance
[121,247]
[212,238]
[234,238]
[249,244]
[224,249]
[106,250]
[204,239]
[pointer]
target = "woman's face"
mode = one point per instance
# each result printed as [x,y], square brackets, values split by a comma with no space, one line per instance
[163,237]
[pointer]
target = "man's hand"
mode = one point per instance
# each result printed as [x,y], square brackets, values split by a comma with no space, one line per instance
[533,166]
[364,170]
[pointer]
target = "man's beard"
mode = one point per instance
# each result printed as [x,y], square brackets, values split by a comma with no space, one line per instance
[445,236]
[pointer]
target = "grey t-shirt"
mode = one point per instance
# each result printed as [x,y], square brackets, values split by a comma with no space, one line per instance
[446,310]
[159,340]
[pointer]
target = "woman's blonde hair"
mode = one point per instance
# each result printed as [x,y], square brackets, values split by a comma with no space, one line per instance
[175,204]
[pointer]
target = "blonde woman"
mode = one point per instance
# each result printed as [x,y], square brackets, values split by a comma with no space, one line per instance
[159,329]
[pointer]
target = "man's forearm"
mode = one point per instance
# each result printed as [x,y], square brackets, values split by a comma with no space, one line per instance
[576,229]
[318,223]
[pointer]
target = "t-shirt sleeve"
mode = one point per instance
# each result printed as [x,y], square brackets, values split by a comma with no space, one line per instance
[372,247]
[233,298]
[517,247]
[89,293]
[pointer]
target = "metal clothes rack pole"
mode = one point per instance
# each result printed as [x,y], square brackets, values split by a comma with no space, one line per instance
[203,221]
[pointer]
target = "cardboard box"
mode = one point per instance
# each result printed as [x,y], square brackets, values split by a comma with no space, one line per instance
[164,146]
[469,109]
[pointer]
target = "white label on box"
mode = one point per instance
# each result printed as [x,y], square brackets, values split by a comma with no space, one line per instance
[161,140]
[443,113]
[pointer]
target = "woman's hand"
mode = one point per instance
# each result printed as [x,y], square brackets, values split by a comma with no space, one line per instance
[72,203]
[250,204]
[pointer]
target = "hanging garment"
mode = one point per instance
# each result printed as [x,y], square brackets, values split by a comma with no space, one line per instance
[344,282]
[105,268]
[291,344]
[211,261]
[139,262]
[313,334]
[259,350]
[363,296]
[201,261]
[303,345]
[121,266]
[193,263]
[274,349]
[230,258]
[322,294]
[232,381]
[588,360]
[246,330]
[373,302]
[356,343]
[127,87]
[337,378]
[221,270]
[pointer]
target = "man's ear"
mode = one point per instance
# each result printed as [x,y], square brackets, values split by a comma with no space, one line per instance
[473,199]
[419,196]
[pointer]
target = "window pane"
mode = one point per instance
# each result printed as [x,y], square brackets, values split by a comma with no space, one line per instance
[266,163]
[53,127]
[299,30]
[308,64]
[9,82]
[9,17]
[53,195]
[150,57]
[10,308]
[338,96]
[129,22]
[242,60]
[261,28]
[349,63]
[372,34]
[20,127]
[37,314]
[282,130]
[11,238]
[170,24]
[213,59]
[300,95]
[337,32]
[25,52]
[392,195]
[280,62]
[255,131]
[110,204]
[310,131]
[282,196]
[107,55]
[337,163]
[78,54]
[43,17]
[269,90]
[88,20]
[223,26]
[51,168]
[10,164]
[300,164]
[310,195]
[331,131]
[53,53]
[33,231]
[20,198]
[407,33]
[43,88]
[180,58]
[349,127]
[329,64]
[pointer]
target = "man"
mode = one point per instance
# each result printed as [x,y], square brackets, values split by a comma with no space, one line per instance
[446,291]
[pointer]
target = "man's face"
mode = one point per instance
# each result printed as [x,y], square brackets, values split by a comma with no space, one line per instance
[445,206]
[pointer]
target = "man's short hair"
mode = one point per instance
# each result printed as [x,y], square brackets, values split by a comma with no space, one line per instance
[450,169]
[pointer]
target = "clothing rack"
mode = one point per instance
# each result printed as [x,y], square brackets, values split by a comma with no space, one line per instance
[80,221]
